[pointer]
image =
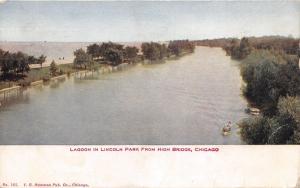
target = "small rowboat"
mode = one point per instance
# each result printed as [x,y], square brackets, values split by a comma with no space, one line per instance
[253,111]
[226,133]
[226,130]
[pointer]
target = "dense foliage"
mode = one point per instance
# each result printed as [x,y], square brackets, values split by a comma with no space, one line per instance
[130,52]
[178,47]
[269,76]
[286,44]
[115,54]
[53,68]
[82,59]
[14,65]
[270,70]
[156,51]
[112,53]
[272,82]
[280,44]
[284,128]
[238,50]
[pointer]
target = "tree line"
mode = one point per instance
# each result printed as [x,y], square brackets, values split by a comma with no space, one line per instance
[156,51]
[14,65]
[115,54]
[108,52]
[238,49]
[273,84]
[271,74]
[288,45]
[282,128]
[280,44]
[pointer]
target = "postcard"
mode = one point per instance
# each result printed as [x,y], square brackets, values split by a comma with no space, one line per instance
[149,94]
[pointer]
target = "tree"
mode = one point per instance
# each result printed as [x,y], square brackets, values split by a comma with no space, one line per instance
[2,52]
[106,46]
[21,63]
[131,52]
[268,76]
[112,52]
[179,46]
[288,106]
[164,52]
[174,48]
[114,56]
[288,79]
[287,129]
[256,130]
[283,128]
[261,85]
[245,48]
[233,48]
[151,51]
[6,63]
[14,63]
[94,50]
[82,58]
[41,60]
[238,50]
[53,68]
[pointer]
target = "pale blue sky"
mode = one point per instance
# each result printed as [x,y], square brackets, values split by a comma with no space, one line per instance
[145,21]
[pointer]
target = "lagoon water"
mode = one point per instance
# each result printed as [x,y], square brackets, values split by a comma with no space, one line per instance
[184,101]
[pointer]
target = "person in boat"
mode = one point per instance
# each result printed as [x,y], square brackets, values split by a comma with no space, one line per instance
[227,127]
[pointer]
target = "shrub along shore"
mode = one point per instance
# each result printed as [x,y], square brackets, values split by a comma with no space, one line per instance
[270,70]
[15,67]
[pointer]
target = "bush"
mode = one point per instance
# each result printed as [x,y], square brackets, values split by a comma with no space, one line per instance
[53,68]
[284,128]
[177,47]
[288,106]
[24,83]
[152,51]
[256,130]
[46,78]
[61,72]
[238,50]
[267,77]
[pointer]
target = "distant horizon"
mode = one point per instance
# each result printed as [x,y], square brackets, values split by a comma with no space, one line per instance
[281,36]
[64,21]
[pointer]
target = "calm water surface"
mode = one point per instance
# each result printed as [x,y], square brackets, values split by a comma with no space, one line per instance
[185,101]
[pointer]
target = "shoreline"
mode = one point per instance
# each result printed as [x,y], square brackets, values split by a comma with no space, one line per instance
[101,68]
[93,99]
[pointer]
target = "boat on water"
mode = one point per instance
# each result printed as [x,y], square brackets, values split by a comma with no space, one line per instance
[226,129]
[253,111]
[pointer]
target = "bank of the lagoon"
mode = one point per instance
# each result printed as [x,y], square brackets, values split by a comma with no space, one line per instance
[184,101]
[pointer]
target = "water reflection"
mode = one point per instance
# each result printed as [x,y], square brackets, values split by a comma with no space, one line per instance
[15,97]
[183,101]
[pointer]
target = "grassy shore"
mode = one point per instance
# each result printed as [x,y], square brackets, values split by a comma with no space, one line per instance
[37,74]
[40,74]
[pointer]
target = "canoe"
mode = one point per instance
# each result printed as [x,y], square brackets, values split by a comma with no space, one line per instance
[253,111]
[226,133]
[226,130]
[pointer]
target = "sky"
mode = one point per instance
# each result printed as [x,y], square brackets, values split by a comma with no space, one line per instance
[145,21]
